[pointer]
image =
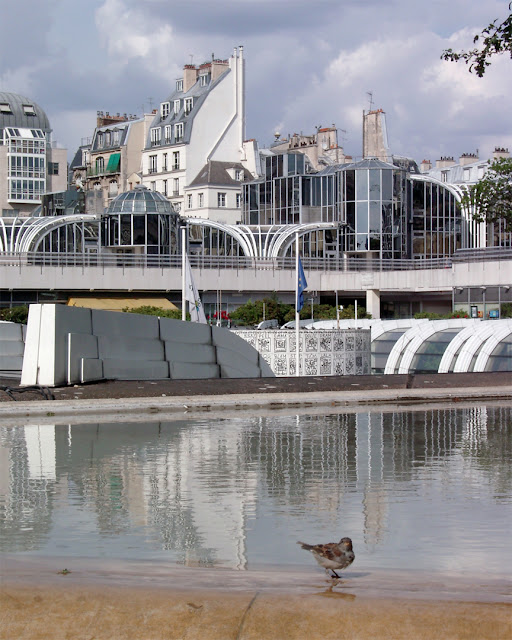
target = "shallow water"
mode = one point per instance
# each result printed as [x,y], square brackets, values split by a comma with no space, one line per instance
[426,491]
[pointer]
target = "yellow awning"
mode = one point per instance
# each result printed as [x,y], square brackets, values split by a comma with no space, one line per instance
[118,304]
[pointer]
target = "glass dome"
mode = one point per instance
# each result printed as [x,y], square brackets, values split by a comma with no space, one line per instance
[140,200]
[140,221]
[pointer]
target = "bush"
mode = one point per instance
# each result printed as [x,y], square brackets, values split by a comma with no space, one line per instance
[439,316]
[15,314]
[506,310]
[147,310]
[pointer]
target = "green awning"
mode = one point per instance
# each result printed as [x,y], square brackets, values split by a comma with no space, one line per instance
[113,162]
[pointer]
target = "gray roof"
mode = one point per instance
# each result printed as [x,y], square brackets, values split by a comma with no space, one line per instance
[369,163]
[17,116]
[215,172]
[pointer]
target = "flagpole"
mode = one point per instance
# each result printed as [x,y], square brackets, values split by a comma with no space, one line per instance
[183,265]
[297,313]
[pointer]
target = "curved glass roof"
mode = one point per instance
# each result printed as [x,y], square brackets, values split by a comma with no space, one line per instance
[501,358]
[19,111]
[140,200]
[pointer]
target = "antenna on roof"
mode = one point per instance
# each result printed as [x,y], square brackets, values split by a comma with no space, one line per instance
[150,100]
[191,58]
[370,96]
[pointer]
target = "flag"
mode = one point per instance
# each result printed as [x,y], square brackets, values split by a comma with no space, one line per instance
[195,307]
[301,286]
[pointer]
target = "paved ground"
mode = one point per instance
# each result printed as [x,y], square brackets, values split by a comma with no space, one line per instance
[9,390]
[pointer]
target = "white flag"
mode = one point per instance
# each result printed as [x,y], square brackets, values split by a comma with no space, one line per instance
[195,307]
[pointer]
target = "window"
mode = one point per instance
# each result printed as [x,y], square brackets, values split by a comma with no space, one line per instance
[156,134]
[5,107]
[238,174]
[444,176]
[164,187]
[153,186]
[100,140]
[179,84]
[112,188]
[168,134]
[176,187]
[175,159]
[178,132]
[108,138]
[116,135]
[153,164]
[238,200]
[97,186]
[221,199]
[164,167]
[189,201]
[203,80]
[53,168]
[189,103]
[177,107]
[100,165]
[200,200]
[29,110]
[165,109]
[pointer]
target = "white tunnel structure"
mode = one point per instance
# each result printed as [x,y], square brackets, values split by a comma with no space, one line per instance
[435,346]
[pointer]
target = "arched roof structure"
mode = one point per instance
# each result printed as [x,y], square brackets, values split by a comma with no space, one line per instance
[499,341]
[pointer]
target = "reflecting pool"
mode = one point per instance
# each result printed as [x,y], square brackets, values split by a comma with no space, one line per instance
[423,490]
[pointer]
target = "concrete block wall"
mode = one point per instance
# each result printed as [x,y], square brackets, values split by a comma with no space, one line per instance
[69,345]
[12,346]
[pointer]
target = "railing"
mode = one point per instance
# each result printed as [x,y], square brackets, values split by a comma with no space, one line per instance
[477,255]
[217,262]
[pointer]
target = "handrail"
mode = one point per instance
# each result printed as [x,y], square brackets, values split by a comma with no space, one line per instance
[327,264]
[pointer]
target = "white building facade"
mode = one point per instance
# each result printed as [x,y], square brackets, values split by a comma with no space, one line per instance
[200,122]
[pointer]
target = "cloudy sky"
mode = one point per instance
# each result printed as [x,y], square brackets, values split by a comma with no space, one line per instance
[308,63]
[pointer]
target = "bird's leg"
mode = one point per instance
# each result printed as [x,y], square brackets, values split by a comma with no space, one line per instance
[335,574]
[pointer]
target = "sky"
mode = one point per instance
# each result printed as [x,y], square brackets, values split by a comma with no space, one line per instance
[308,64]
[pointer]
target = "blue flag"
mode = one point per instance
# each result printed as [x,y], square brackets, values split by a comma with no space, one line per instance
[301,286]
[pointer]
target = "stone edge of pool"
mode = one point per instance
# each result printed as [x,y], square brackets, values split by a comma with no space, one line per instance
[187,405]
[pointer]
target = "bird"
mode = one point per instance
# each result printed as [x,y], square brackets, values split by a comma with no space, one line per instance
[332,555]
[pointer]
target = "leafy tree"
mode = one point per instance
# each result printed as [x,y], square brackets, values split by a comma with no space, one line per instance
[251,313]
[494,39]
[490,199]
[16,314]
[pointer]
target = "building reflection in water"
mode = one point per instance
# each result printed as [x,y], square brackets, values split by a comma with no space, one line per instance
[195,491]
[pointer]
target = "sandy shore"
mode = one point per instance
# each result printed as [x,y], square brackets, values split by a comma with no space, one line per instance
[115,600]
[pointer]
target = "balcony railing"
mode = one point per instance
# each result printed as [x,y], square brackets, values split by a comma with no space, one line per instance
[220,262]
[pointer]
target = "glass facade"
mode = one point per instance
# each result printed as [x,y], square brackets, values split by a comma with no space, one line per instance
[383,212]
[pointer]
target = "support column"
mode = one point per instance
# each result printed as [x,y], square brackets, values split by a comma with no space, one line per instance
[373,303]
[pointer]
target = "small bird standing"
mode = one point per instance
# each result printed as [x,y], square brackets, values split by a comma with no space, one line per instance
[333,555]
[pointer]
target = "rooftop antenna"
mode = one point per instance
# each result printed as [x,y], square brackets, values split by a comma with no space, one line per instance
[150,100]
[370,96]
[191,58]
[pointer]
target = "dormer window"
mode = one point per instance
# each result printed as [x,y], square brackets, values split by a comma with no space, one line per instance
[203,80]
[165,109]
[108,138]
[177,104]
[178,132]
[168,133]
[179,84]
[116,137]
[100,141]
[238,174]
[29,110]
[189,103]
[5,107]
[156,134]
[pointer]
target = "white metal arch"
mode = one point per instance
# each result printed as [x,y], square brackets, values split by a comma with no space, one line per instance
[454,347]
[242,240]
[424,332]
[29,239]
[502,330]
[483,331]
[289,232]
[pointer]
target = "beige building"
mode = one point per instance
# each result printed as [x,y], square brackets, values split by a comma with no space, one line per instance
[321,148]
[30,162]
[111,164]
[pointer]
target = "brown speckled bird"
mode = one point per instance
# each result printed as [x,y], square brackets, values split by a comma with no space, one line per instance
[333,555]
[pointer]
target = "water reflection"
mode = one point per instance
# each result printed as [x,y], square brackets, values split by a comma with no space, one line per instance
[231,491]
